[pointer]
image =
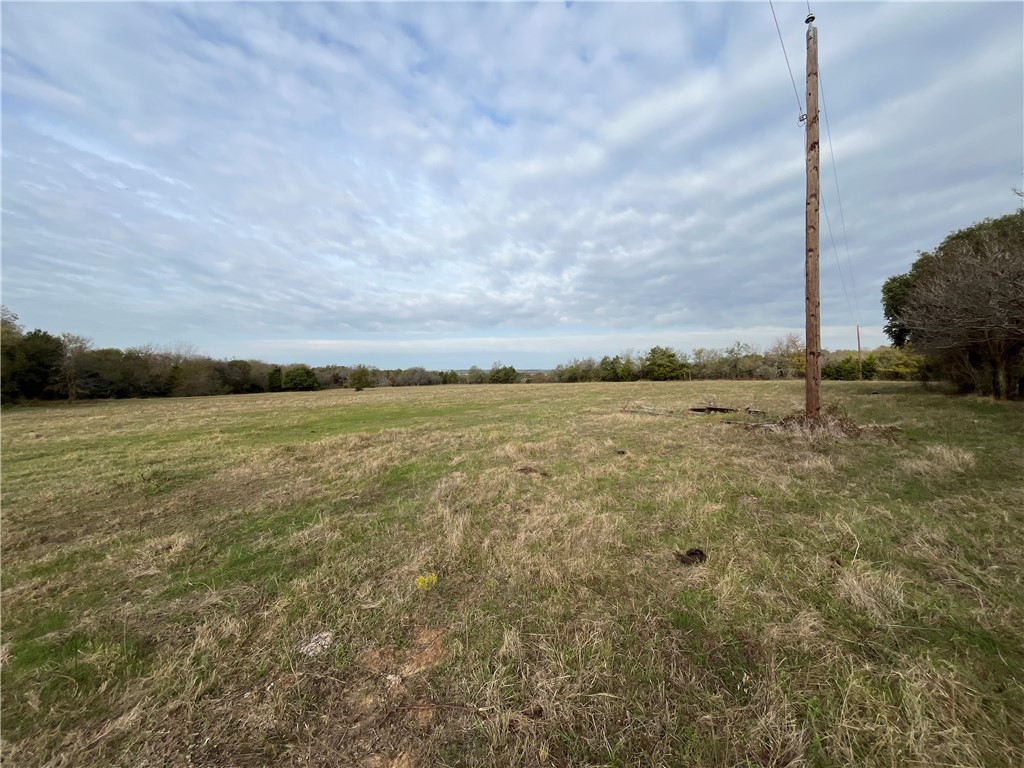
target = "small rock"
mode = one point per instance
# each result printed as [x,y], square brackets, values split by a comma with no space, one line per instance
[317,644]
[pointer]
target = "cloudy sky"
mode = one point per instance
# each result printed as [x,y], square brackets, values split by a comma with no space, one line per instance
[455,184]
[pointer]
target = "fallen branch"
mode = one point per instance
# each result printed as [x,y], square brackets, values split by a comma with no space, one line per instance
[722,409]
[647,410]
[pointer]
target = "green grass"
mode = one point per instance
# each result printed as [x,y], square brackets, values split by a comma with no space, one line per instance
[165,561]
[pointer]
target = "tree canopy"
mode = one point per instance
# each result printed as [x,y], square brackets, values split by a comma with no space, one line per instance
[300,378]
[962,305]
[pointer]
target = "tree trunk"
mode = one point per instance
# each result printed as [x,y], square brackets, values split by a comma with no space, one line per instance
[1002,379]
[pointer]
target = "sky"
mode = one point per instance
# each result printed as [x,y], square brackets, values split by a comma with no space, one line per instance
[456,184]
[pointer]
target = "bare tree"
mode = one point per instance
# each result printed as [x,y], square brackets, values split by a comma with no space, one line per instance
[71,379]
[968,306]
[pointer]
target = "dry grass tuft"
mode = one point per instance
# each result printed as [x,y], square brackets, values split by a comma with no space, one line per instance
[877,593]
[834,423]
[940,461]
[934,701]
[803,631]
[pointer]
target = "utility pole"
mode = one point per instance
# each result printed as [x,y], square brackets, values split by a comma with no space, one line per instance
[860,365]
[811,269]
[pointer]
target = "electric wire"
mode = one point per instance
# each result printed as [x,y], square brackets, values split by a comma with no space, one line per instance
[835,252]
[796,93]
[839,198]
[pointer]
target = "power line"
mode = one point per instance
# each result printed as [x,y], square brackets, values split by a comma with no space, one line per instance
[799,107]
[839,198]
[835,252]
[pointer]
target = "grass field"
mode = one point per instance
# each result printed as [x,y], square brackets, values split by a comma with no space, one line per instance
[233,581]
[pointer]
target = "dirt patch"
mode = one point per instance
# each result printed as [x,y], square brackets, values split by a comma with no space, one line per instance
[531,471]
[423,713]
[392,667]
[379,660]
[427,652]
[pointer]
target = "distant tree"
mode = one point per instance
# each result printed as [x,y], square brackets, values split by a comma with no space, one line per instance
[664,364]
[621,367]
[897,364]
[476,376]
[609,367]
[11,331]
[11,334]
[566,373]
[299,378]
[578,369]
[37,364]
[843,366]
[259,371]
[195,377]
[629,367]
[786,358]
[418,377]
[8,320]
[274,379]
[741,361]
[707,364]
[359,378]
[146,372]
[236,376]
[331,376]
[71,378]
[502,374]
[107,373]
[180,352]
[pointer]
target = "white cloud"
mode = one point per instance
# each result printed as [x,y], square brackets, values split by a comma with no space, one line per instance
[415,174]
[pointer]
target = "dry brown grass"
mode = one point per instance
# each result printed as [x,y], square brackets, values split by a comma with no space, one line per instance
[940,461]
[232,581]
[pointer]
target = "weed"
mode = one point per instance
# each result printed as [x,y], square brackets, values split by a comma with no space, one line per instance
[426,582]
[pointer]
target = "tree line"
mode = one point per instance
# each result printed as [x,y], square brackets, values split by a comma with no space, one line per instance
[782,360]
[38,365]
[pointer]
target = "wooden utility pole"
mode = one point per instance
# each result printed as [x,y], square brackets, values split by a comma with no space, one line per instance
[811,270]
[860,364]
